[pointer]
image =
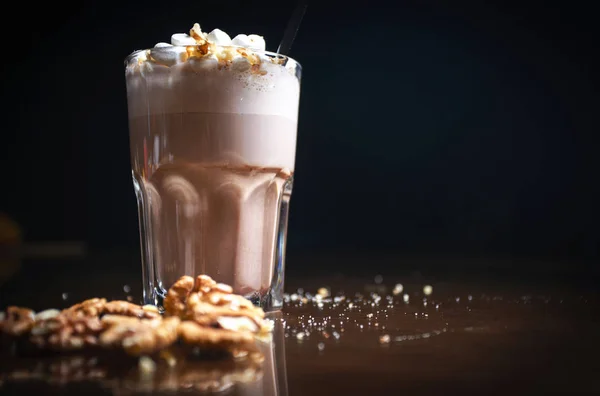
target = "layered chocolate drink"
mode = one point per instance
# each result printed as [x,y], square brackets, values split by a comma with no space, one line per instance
[213,137]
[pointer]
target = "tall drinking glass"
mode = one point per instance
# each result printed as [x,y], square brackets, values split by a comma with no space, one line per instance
[213,142]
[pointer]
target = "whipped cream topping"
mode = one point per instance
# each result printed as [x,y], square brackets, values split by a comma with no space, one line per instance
[241,52]
[211,72]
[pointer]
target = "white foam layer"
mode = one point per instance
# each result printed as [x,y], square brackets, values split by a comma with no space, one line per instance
[203,85]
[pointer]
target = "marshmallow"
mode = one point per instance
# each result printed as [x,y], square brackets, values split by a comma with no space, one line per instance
[168,56]
[253,41]
[257,42]
[182,39]
[219,37]
[241,40]
[161,45]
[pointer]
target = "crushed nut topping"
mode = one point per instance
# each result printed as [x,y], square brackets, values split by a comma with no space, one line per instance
[140,336]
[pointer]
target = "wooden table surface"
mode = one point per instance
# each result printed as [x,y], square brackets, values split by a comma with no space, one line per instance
[490,336]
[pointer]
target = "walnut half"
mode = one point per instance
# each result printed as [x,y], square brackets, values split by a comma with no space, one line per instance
[139,336]
[194,334]
[17,320]
[65,330]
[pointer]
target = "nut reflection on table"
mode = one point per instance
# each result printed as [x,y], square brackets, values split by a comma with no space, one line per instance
[259,372]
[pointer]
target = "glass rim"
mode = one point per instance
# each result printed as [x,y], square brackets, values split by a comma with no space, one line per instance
[277,55]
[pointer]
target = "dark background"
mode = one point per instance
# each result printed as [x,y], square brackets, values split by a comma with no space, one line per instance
[427,128]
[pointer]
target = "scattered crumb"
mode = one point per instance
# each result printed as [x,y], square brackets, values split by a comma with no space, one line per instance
[384,339]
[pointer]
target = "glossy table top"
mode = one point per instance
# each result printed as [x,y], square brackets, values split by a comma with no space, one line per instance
[492,336]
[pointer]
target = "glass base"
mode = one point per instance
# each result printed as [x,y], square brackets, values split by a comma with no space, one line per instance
[268,300]
[192,246]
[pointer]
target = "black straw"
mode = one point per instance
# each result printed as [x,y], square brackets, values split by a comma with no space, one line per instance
[292,28]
